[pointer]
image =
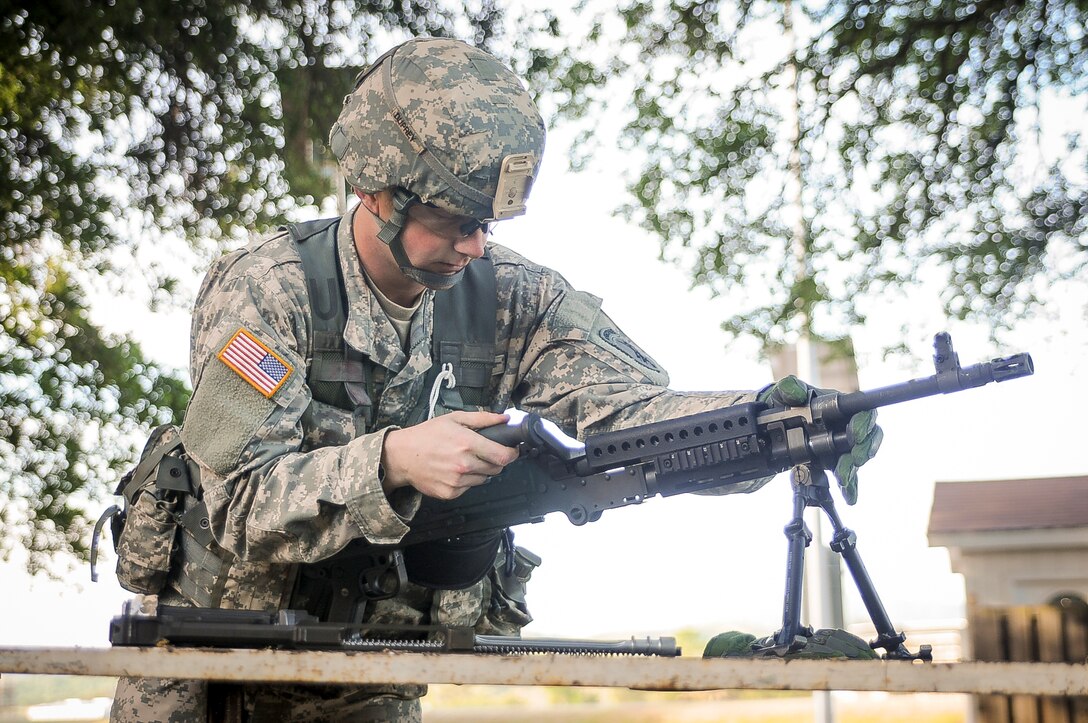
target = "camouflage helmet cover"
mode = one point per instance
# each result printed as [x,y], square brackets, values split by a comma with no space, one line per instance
[443,120]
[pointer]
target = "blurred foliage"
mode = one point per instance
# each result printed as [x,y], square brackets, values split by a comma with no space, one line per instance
[135,130]
[909,130]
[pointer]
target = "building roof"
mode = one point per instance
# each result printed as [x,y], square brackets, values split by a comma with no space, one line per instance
[1013,504]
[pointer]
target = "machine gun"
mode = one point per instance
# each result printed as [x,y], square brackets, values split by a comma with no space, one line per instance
[702,452]
[699,452]
[711,450]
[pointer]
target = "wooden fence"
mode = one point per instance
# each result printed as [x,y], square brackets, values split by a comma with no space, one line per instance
[1041,633]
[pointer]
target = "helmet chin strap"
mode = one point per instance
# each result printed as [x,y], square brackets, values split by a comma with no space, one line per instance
[389,232]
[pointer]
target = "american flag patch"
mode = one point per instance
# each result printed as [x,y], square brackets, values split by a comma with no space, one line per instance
[255,362]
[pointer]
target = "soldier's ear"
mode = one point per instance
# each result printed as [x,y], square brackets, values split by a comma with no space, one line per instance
[374,202]
[369,200]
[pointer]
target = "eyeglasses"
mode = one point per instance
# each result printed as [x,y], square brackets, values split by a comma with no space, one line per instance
[446,224]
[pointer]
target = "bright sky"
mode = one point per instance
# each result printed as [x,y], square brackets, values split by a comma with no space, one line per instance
[711,563]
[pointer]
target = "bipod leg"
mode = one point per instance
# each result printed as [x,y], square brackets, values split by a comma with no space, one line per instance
[844,542]
[793,635]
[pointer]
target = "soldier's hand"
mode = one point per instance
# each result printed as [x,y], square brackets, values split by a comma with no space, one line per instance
[864,434]
[443,457]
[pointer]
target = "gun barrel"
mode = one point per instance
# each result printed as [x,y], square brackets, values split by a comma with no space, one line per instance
[1013,367]
[664,647]
[944,382]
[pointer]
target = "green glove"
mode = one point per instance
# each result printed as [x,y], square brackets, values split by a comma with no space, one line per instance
[864,434]
[824,643]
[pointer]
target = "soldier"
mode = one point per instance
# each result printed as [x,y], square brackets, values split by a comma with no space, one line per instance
[341,369]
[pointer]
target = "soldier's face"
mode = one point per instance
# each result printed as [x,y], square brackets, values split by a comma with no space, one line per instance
[435,240]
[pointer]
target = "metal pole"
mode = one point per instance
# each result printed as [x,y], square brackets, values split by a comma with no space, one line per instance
[824,577]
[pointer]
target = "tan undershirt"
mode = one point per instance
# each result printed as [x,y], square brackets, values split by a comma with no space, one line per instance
[399,316]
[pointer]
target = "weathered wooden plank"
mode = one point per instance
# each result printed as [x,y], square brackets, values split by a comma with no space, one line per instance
[614,671]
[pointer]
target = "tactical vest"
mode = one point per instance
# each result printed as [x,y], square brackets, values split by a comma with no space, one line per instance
[463,336]
[463,341]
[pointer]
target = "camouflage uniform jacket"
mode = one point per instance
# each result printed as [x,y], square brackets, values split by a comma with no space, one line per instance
[284,477]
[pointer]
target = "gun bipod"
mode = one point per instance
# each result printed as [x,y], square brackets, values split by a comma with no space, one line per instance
[811,489]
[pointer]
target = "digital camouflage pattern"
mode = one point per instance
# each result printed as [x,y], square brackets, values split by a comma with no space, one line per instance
[163,700]
[145,545]
[433,105]
[285,479]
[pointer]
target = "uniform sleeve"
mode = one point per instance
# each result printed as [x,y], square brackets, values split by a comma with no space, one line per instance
[581,371]
[267,498]
[585,373]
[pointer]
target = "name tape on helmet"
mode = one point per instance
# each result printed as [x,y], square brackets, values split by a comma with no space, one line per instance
[515,180]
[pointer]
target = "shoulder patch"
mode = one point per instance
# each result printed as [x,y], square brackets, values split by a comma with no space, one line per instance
[618,341]
[265,370]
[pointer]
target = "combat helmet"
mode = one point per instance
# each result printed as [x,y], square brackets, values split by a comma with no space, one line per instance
[443,123]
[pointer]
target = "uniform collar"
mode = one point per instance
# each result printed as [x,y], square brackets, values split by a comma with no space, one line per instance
[368,330]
